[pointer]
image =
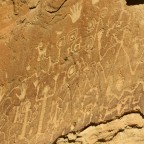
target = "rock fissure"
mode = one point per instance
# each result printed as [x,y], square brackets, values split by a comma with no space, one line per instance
[104,132]
[134,2]
[53,7]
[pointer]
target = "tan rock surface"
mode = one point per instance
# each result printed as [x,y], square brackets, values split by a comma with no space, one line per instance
[129,129]
[67,63]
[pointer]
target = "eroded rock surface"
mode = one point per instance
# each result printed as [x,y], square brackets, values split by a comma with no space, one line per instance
[128,129]
[67,63]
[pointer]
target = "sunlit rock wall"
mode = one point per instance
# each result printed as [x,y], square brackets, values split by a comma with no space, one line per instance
[65,64]
[128,129]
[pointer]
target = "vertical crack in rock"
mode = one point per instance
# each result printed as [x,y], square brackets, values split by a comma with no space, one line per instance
[128,126]
[16,6]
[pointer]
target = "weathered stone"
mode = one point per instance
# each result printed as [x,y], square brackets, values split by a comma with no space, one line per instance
[129,129]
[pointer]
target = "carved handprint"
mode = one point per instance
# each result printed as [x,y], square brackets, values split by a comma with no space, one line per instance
[95,1]
[76,12]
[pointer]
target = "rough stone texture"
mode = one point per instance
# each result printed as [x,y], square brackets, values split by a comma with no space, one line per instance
[65,64]
[127,130]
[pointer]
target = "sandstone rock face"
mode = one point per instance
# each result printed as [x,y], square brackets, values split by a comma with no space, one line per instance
[129,129]
[67,64]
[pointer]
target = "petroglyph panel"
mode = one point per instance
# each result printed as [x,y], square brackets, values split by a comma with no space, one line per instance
[65,64]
